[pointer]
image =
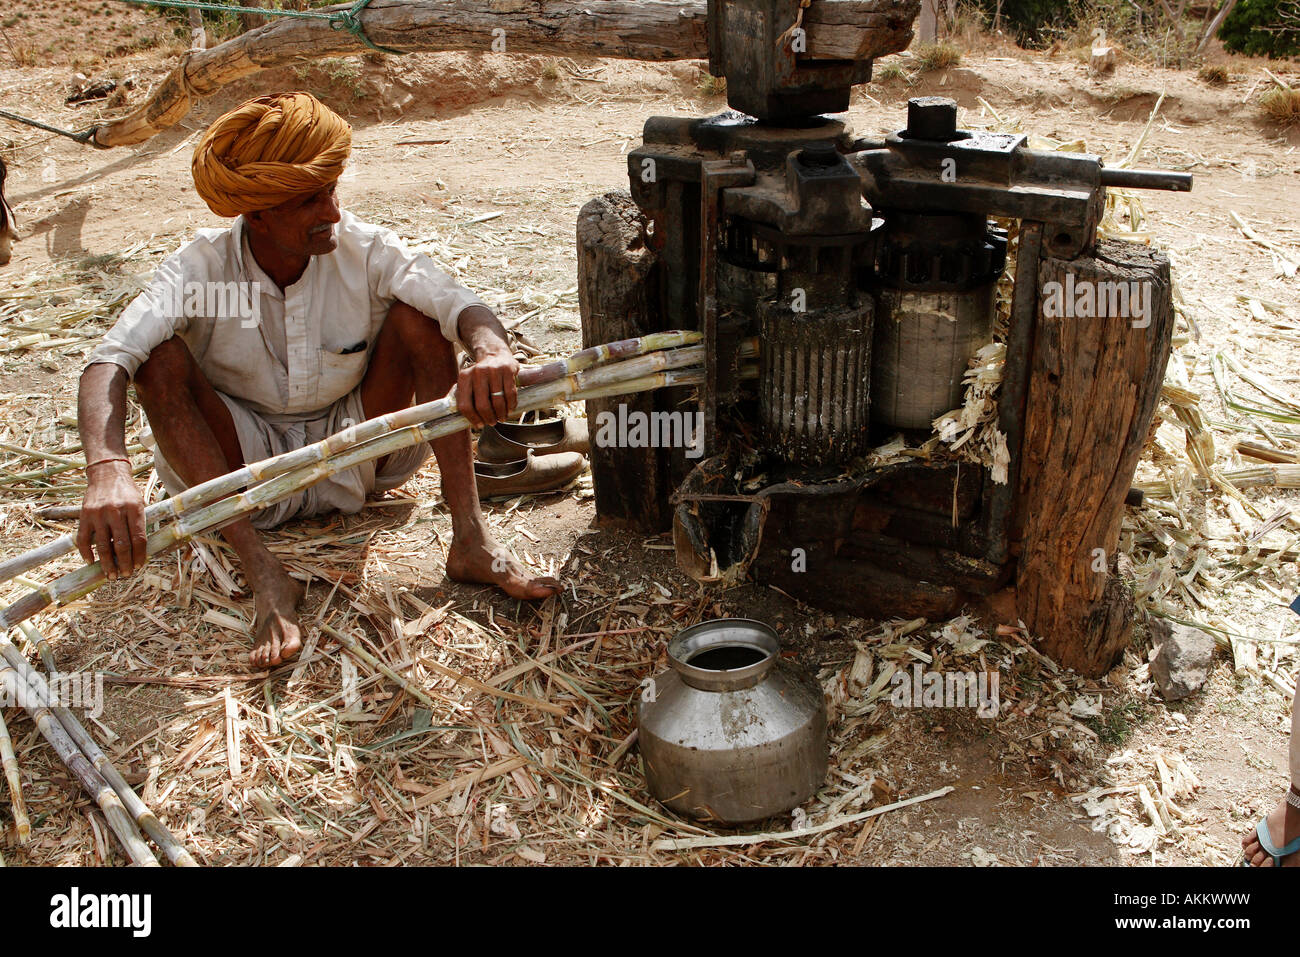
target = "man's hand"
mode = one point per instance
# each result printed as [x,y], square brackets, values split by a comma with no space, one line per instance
[485,392]
[112,520]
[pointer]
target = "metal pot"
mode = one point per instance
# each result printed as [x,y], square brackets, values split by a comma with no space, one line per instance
[731,733]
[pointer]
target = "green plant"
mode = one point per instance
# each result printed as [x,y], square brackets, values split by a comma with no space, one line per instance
[1263,28]
[1116,723]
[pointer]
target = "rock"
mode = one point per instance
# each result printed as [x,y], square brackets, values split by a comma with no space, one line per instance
[1183,659]
[1101,61]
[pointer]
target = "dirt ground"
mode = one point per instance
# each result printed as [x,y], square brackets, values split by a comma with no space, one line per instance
[484,161]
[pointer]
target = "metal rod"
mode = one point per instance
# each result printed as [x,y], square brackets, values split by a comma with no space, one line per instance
[1146,179]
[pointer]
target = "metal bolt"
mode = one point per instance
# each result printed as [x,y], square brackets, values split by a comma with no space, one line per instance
[820,155]
[932,118]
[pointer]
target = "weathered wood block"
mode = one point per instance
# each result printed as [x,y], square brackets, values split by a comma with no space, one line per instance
[616,298]
[1105,324]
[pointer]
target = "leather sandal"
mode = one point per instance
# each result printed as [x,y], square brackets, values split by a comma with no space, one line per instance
[532,473]
[509,441]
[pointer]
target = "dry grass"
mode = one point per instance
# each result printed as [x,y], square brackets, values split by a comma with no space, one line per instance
[22,52]
[891,72]
[710,85]
[1280,107]
[942,55]
[1214,74]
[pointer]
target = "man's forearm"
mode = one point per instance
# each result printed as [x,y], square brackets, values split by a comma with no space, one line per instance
[481,332]
[101,411]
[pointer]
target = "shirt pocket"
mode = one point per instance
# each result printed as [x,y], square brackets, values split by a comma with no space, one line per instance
[340,373]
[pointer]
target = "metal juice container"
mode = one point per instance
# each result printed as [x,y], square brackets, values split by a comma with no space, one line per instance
[731,733]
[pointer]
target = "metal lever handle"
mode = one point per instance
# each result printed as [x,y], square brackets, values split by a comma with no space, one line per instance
[1146,179]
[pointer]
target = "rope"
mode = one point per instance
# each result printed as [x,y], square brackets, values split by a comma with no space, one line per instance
[798,24]
[85,136]
[339,20]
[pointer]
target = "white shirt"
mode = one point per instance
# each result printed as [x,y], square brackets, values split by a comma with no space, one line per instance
[287,355]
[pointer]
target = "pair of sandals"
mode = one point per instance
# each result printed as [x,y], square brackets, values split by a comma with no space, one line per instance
[520,458]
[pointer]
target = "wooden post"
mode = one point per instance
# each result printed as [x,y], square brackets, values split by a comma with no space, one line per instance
[1093,387]
[617,300]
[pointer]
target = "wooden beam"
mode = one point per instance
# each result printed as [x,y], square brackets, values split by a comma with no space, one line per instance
[654,30]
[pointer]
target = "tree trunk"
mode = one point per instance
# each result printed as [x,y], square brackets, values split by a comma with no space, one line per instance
[927,27]
[628,29]
[616,300]
[251,21]
[198,35]
[1093,388]
[1217,22]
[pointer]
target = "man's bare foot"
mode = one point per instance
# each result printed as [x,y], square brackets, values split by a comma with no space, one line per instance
[277,637]
[484,562]
[1283,828]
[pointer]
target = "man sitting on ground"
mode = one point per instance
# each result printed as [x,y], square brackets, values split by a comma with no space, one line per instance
[350,325]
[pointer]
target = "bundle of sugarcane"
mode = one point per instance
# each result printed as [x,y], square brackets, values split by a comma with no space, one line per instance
[125,812]
[651,362]
[558,374]
[38,706]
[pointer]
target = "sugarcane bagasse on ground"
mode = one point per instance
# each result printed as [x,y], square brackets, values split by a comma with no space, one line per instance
[345,324]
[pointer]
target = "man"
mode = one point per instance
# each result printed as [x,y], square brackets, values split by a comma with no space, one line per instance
[345,324]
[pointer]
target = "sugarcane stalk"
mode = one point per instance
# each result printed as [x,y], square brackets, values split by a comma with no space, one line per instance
[10,762]
[139,811]
[109,803]
[42,646]
[641,373]
[206,492]
[46,456]
[1252,476]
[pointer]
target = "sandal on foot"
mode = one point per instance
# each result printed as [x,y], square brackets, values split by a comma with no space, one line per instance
[1266,842]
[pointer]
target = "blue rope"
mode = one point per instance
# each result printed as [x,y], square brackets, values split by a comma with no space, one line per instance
[85,136]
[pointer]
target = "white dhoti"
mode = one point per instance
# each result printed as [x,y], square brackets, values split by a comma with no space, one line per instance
[261,437]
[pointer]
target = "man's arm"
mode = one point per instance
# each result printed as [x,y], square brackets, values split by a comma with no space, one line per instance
[485,392]
[112,513]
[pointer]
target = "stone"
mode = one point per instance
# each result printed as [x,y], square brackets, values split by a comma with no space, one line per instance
[1101,61]
[1183,659]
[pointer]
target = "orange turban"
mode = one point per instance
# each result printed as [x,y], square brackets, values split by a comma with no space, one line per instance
[268,151]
